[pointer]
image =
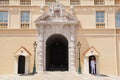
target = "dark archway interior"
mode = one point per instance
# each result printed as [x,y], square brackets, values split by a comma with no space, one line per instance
[57,53]
[21,65]
[90,58]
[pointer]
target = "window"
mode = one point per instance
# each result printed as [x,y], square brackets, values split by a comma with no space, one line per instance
[117,1]
[100,16]
[100,19]
[74,2]
[3,19]
[49,2]
[25,17]
[4,2]
[118,19]
[98,2]
[25,2]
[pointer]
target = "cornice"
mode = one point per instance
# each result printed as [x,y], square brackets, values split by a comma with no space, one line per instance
[17,32]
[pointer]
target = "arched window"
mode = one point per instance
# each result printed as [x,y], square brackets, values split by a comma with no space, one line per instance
[118,19]
[3,19]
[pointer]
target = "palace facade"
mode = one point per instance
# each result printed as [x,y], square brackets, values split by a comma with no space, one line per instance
[58,27]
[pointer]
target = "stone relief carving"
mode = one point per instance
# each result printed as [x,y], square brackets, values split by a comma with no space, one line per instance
[42,9]
[72,9]
[57,10]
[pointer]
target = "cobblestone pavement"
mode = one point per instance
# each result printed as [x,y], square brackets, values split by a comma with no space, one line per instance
[59,76]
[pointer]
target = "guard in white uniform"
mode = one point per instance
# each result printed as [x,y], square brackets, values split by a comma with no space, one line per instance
[92,64]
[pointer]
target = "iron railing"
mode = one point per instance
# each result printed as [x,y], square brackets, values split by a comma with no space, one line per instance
[3,24]
[100,25]
[25,25]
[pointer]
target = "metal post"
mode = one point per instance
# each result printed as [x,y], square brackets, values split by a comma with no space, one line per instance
[79,67]
[34,66]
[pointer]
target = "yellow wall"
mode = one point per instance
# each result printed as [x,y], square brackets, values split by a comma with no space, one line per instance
[105,44]
[118,50]
[10,43]
[105,41]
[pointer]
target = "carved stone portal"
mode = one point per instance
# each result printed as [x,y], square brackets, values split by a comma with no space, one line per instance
[57,21]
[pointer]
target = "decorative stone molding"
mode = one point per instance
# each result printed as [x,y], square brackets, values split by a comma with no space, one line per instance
[22,51]
[42,9]
[72,9]
[56,21]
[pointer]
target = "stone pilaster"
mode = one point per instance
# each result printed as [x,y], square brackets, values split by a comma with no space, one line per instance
[40,48]
[72,49]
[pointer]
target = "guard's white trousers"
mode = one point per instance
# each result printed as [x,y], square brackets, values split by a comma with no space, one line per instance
[93,70]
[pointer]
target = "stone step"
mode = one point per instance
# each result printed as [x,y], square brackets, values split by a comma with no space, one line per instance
[59,76]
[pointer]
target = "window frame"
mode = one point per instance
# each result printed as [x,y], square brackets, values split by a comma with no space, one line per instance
[27,23]
[25,2]
[75,2]
[100,23]
[49,2]
[116,22]
[99,18]
[25,16]
[99,2]
[5,23]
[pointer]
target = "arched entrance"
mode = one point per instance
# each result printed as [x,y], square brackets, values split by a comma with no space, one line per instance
[21,64]
[92,58]
[57,53]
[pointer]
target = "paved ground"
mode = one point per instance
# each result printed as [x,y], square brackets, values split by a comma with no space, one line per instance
[59,76]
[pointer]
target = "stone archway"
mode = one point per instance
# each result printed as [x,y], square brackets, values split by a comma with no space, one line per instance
[49,24]
[57,53]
